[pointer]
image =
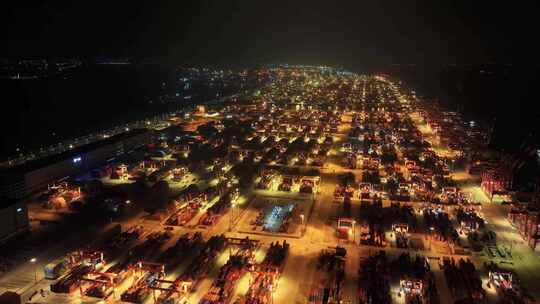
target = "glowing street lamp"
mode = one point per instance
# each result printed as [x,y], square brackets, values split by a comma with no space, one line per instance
[303,227]
[33,262]
[430,236]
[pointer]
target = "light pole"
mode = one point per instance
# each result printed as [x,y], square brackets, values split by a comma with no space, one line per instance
[302,220]
[231,221]
[271,287]
[430,236]
[354,232]
[33,262]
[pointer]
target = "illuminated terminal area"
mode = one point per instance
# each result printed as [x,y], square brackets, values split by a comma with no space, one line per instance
[320,186]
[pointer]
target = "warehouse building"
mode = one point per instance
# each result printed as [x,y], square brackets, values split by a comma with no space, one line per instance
[28,178]
[13,218]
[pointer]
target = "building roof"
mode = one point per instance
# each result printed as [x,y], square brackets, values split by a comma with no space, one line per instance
[45,161]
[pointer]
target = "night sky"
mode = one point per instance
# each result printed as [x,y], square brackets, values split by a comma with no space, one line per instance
[344,33]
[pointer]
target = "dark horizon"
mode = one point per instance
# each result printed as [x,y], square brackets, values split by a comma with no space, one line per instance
[351,35]
[360,37]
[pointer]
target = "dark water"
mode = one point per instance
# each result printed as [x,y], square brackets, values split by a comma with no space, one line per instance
[45,111]
[503,96]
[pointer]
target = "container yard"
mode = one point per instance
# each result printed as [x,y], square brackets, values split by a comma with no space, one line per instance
[187,244]
[202,264]
[322,187]
[416,281]
[242,252]
[264,277]
[331,275]
[77,265]
[63,196]
[463,280]
[385,280]
[187,211]
[146,277]
[148,249]
[103,284]
[214,213]
[374,280]
[126,238]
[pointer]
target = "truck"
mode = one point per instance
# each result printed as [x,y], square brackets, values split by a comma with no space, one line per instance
[55,269]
